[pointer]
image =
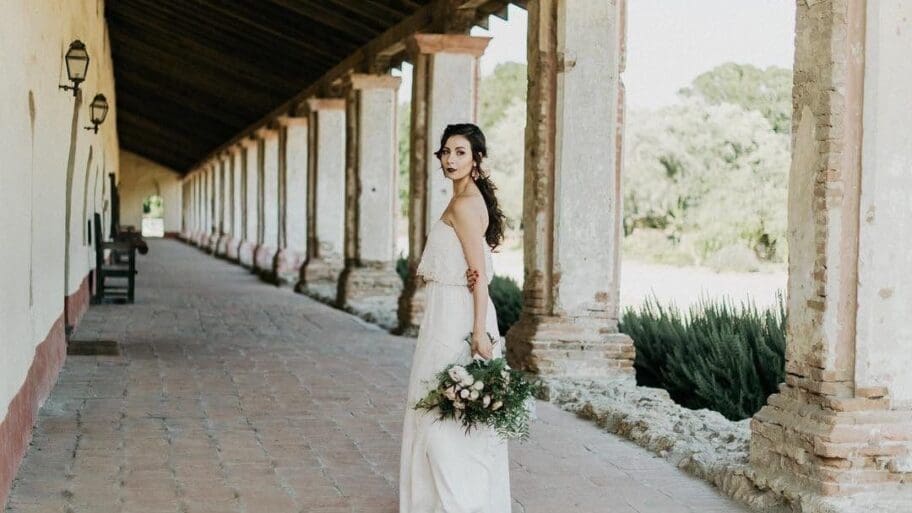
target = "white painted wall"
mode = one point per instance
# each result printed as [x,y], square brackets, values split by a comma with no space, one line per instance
[36,126]
[377,164]
[141,178]
[884,334]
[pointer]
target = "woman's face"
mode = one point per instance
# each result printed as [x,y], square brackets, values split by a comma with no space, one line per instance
[456,157]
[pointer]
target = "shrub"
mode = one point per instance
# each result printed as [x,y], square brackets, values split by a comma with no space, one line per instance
[718,356]
[507,298]
[402,267]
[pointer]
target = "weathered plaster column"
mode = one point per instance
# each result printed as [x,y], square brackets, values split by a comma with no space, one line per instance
[251,202]
[320,274]
[216,234]
[571,211]
[224,192]
[842,422]
[269,240]
[444,91]
[201,230]
[210,206]
[236,154]
[293,219]
[369,284]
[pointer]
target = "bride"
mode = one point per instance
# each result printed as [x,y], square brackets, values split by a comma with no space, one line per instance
[442,469]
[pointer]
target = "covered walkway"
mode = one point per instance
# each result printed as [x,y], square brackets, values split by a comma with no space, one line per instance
[234,396]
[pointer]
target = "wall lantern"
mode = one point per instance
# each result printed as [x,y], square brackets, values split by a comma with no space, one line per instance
[99,109]
[77,63]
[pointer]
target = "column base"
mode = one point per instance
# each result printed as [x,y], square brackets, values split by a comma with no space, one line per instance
[372,292]
[231,248]
[211,243]
[809,446]
[287,267]
[320,279]
[246,251]
[221,245]
[570,346]
[411,306]
[263,259]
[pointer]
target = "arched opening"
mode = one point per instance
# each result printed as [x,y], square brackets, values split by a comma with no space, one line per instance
[153,216]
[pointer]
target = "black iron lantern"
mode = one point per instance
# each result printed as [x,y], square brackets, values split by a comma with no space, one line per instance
[99,111]
[77,63]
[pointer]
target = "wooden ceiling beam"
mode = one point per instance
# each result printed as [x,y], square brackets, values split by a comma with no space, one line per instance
[317,12]
[258,63]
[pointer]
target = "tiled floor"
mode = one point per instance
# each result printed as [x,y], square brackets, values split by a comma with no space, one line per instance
[234,396]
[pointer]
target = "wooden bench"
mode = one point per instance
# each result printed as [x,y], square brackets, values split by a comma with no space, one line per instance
[122,267]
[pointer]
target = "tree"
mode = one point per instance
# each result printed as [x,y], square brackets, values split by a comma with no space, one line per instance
[768,91]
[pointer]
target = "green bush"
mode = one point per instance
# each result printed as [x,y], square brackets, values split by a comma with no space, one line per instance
[507,298]
[717,356]
[505,294]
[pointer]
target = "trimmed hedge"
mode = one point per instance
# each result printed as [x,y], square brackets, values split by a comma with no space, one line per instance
[717,356]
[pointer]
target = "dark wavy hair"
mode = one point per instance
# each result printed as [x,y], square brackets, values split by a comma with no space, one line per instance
[496,219]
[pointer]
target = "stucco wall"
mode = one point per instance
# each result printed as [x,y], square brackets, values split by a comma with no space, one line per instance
[141,178]
[43,137]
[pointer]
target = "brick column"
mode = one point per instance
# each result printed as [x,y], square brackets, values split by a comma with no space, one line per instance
[842,422]
[293,221]
[251,201]
[269,201]
[444,91]
[320,274]
[369,285]
[235,159]
[571,204]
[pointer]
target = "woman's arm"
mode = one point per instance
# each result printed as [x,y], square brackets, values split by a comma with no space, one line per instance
[469,226]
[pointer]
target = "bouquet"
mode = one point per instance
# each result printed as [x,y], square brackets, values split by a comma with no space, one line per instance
[484,392]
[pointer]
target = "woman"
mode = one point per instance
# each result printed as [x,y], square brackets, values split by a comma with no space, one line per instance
[443,469]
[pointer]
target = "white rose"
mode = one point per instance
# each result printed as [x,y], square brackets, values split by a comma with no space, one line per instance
[457,373]
[485,401]
[504,374]
[459,405]
[450,393]
[467,381]
[496,406]
[478,385]
[473,395]
[464,393]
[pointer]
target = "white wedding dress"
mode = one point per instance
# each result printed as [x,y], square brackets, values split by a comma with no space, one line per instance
[443,470]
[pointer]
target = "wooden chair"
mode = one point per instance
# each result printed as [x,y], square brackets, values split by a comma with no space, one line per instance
[124,267]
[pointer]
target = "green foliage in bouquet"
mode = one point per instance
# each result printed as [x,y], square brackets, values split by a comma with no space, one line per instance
[484,392]
[718,356]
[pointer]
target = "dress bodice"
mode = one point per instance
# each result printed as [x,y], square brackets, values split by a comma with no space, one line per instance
[443,260]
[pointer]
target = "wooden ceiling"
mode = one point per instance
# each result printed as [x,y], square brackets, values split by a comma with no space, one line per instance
[191,74]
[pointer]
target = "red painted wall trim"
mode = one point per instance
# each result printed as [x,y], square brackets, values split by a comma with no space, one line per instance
[77,303]
[16,428]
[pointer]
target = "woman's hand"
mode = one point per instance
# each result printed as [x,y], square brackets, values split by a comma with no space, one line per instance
[471,278]
[482,345]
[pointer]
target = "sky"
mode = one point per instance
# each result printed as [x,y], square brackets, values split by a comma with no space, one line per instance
[669,42]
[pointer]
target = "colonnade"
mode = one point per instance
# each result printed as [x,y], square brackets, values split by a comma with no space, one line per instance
[316,207]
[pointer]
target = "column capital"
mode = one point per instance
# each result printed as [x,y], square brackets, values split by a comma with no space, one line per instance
[371,81]
[266,133]
[248,142]
[315,104]
[291,120]
[236,148]
[447,43]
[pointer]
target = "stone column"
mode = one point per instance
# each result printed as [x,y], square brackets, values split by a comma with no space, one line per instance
[571,211]
[235,156]
[369,285]
[444,91]
[293,222]
[269,197]
[842,422]
[251,202]
[320,274]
